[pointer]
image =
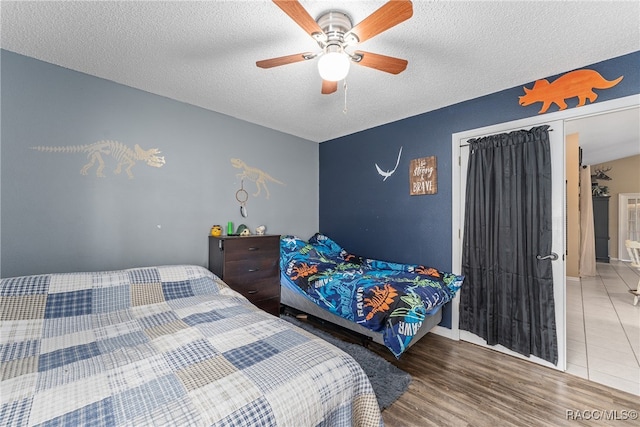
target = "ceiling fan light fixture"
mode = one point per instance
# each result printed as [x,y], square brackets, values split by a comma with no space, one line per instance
[334,64]
[334,32]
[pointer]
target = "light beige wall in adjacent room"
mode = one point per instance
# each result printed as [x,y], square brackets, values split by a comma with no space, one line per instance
[625,178]
[573,202]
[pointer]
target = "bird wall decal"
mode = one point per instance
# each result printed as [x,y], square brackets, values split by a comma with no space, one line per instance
[387,174]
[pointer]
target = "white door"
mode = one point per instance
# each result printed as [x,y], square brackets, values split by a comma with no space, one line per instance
[557,146]
[628,222]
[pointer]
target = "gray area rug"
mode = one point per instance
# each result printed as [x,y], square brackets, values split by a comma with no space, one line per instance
[388,381]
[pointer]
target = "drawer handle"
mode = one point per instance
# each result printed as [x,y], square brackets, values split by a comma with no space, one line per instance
[253,270]
[253,291]
[253,248]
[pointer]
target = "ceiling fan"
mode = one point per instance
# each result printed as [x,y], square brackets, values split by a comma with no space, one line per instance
[334,33]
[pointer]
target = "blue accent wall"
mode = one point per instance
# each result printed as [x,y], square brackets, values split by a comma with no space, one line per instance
[379,219]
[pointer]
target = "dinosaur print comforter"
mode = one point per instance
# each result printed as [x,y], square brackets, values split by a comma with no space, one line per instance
[383,296]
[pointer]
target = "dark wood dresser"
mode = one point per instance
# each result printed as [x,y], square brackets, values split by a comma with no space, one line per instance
[249,265]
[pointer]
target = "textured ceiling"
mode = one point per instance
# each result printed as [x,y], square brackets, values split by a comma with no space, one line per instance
[608,136]
[204,53]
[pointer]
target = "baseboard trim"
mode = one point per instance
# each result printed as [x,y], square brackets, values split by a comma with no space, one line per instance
[445,332]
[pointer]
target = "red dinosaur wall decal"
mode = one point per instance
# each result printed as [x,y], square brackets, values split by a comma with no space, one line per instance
[578,83]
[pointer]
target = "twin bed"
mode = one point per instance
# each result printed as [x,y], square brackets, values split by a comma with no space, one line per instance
[174,345]
[393,304]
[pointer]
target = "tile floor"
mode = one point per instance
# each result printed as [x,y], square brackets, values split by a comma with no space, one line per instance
[603,327]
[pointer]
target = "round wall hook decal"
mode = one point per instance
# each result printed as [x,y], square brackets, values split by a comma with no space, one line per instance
[242,196]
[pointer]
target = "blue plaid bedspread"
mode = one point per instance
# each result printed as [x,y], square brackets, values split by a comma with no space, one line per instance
[169,345]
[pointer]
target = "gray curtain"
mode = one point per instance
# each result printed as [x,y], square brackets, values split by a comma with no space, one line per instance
[507,297]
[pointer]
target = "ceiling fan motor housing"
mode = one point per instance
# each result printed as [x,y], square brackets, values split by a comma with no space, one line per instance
[335,25]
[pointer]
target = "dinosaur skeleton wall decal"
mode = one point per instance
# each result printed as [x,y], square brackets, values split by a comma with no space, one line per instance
[125,156]
[256,175]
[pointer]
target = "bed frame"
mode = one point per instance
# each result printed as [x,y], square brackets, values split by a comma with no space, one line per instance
[292,299]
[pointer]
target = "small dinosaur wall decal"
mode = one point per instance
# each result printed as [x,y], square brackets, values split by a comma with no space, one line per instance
[578,83]
[125,156]
[256,175]
[387,174]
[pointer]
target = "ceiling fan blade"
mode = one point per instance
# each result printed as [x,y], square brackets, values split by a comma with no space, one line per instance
[389,15]
[300,15]
[329,87]
[388,64]
[282,60]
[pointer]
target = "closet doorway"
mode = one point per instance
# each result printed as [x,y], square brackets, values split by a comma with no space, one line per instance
[458,196]
[557,213]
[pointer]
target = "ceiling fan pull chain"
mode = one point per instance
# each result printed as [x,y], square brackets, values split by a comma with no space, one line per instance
[344,85]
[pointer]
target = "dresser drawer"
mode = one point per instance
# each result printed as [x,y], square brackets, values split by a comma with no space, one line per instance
[248,248]
[251,269]
[258,290]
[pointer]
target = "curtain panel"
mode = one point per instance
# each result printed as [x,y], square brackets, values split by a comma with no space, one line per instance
[508,295]
[587,232]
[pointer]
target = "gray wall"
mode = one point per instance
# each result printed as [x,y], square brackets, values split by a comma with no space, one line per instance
[53,219]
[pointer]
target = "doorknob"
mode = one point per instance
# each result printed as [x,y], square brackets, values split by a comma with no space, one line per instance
[552,256]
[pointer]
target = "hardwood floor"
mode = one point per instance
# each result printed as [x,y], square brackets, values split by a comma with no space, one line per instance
[456,383]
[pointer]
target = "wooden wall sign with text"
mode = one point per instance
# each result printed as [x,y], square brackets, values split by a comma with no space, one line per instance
[423,176]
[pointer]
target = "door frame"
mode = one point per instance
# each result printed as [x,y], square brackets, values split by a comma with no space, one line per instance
[458,188]
[558,246]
